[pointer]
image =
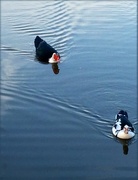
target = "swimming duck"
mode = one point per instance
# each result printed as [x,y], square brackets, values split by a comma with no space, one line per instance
[123,128]
[45,52]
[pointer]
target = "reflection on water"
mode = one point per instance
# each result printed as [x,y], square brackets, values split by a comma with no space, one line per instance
[54,127]
[125,143]
[54,66]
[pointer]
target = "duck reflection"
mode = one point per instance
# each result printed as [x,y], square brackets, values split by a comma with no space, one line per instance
[54,66]
[125,144]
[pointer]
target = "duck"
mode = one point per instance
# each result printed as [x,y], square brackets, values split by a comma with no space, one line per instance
[122,127]
[45,52]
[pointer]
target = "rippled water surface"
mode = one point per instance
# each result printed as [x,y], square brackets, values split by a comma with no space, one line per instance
[58,126]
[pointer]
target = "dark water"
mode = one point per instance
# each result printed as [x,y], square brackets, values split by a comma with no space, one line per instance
[59,126]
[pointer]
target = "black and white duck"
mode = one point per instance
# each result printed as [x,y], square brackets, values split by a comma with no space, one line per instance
[123,128]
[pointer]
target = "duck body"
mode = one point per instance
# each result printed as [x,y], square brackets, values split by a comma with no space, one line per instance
[123,128]
[45,52]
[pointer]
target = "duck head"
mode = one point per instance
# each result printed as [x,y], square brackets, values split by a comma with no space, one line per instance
[55,58]
[126,129]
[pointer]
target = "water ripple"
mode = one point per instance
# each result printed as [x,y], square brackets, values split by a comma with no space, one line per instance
[52,21]
[78,113]
[15,50]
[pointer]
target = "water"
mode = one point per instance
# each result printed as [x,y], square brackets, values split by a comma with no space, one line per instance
[59,126]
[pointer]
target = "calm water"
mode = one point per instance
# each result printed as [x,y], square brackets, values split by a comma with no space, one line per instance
[59,126]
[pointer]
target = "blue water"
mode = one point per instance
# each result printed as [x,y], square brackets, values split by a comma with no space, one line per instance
[59,126]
